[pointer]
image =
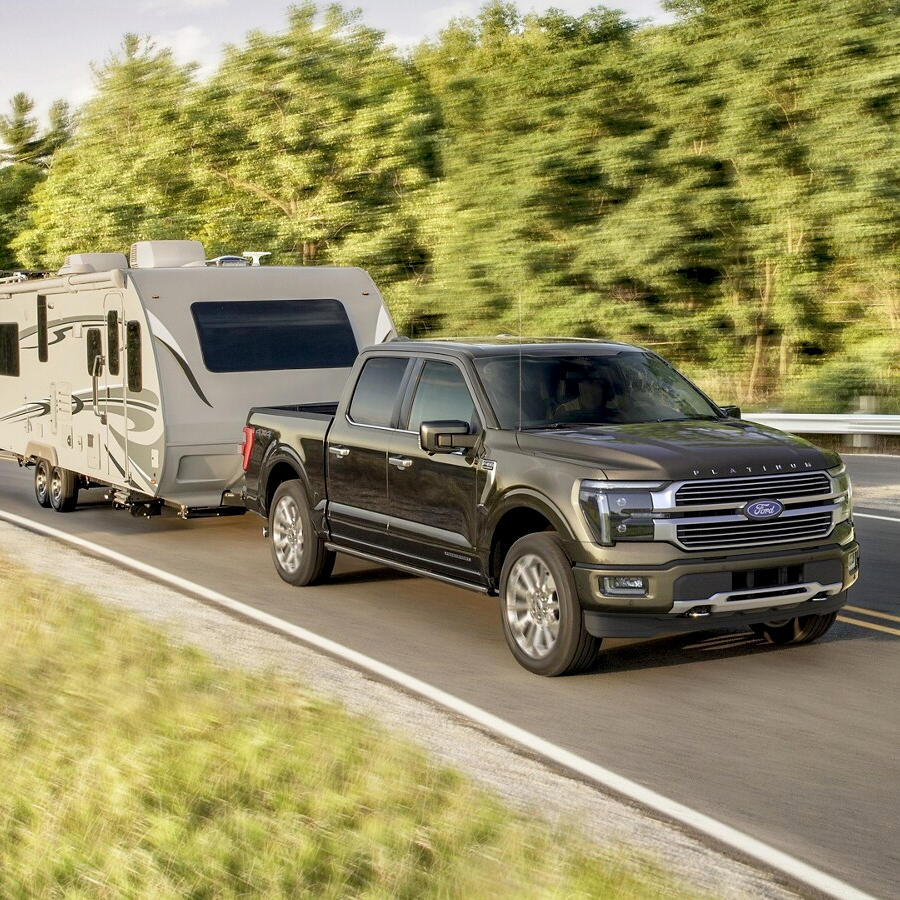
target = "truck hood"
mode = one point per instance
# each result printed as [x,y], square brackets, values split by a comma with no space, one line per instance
[671,451]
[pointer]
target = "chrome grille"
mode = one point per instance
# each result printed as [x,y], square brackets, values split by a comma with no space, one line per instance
[733,531]
[732,491]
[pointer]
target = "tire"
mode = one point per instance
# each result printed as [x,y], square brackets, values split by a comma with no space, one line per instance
[298,551]
[42,482]
[542,619]
[63,489]
[802,630]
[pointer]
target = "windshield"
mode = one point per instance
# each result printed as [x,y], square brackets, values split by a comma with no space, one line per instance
[623,387]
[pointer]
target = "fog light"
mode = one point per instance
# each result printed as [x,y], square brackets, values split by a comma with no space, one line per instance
[852,561]
[624,585]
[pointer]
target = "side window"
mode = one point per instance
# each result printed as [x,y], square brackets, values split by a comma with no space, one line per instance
[42,333]
[112,341]
[377,390]
[133,352]
[442,393]
[94,348]
[9,349]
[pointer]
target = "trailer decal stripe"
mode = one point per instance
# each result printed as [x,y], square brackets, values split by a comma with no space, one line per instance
[164,336]
[187,371]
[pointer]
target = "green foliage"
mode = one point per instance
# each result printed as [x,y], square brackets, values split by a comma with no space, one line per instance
[314,143]
[724,188]
[23,160]
[133,769]
[126,174]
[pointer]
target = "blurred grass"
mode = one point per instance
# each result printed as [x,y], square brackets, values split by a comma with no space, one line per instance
[130,767]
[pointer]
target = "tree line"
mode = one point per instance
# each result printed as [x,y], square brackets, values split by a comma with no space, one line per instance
[724,188]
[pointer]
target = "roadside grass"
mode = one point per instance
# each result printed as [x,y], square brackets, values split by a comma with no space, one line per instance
[131,767]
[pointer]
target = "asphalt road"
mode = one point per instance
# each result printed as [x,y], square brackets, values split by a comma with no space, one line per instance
[797,747]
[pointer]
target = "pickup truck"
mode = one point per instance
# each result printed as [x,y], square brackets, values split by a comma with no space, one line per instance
[591,486]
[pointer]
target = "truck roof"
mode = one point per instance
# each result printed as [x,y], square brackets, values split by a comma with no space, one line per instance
[503,345]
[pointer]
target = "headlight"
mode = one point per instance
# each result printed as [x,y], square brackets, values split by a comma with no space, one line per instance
[840,484]
[618,510]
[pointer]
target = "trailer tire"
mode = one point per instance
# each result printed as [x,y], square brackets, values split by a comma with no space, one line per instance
[42,482]
[63,489]
[298,551]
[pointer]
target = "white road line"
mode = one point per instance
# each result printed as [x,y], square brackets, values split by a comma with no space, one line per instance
[719,832]
[859,515]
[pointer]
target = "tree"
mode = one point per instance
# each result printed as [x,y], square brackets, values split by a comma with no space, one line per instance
[126,174]
[315,144]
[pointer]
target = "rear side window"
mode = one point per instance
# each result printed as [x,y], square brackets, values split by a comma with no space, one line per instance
[442,393]
[9,349]
[377,391]
[264,335]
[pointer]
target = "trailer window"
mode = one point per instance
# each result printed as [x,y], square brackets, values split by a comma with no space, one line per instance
[42,335]
[133,352]
[264,335]
[94,348]
[9,349]
[112,341]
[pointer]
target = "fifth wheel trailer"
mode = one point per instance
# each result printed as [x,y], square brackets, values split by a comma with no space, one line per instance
[137,374]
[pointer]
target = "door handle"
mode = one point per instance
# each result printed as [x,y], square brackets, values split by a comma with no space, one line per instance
[340,452]
[400,462]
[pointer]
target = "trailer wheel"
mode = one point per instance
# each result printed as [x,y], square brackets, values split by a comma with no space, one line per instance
[542,618]
[63,489]
[42,482]
[298,551]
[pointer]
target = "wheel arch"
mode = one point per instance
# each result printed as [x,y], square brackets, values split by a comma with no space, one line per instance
[283,465]
[35,450]
[518,514]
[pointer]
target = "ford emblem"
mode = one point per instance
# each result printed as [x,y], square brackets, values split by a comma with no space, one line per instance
[763,509]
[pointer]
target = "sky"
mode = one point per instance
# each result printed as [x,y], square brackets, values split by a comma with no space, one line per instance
[50,44]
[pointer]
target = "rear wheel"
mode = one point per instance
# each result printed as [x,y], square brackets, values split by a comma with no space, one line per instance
[63,489]
[802,630]
[42,482]
[298,552]
[542,618]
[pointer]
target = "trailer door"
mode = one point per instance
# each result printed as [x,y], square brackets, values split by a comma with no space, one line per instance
[112,404]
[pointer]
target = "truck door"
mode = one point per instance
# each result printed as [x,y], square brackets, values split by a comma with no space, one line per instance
[433,499]
[357,455]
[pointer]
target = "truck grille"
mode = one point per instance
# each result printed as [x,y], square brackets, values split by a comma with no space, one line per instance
[733,531]
[743,490]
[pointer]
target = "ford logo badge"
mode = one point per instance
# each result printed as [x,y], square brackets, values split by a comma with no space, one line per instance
[763,509]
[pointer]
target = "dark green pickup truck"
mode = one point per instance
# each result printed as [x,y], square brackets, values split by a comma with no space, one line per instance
[590,485]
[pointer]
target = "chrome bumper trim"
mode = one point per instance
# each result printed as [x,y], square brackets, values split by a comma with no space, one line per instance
[756,598]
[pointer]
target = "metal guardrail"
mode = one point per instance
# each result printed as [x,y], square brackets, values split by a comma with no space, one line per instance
[828,423]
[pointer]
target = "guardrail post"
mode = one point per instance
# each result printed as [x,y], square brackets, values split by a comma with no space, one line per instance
[866,406]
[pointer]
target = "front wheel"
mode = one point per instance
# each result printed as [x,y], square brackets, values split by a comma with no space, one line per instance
[63,489]
[298,552]
[802,630]
[42,482]
[542,619]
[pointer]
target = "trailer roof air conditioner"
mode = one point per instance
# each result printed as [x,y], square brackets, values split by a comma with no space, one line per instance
[167,254]
[81,263]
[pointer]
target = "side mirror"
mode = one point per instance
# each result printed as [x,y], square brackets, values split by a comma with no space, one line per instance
[733,412]
[445,436]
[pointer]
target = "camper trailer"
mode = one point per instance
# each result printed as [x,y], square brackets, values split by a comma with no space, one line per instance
[137,374]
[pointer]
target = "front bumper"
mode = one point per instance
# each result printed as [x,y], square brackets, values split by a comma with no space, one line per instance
[689,595]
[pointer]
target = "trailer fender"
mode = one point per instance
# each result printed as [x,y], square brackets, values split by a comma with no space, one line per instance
[35,450]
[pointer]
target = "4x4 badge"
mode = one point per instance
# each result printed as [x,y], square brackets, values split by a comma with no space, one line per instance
[763,509]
